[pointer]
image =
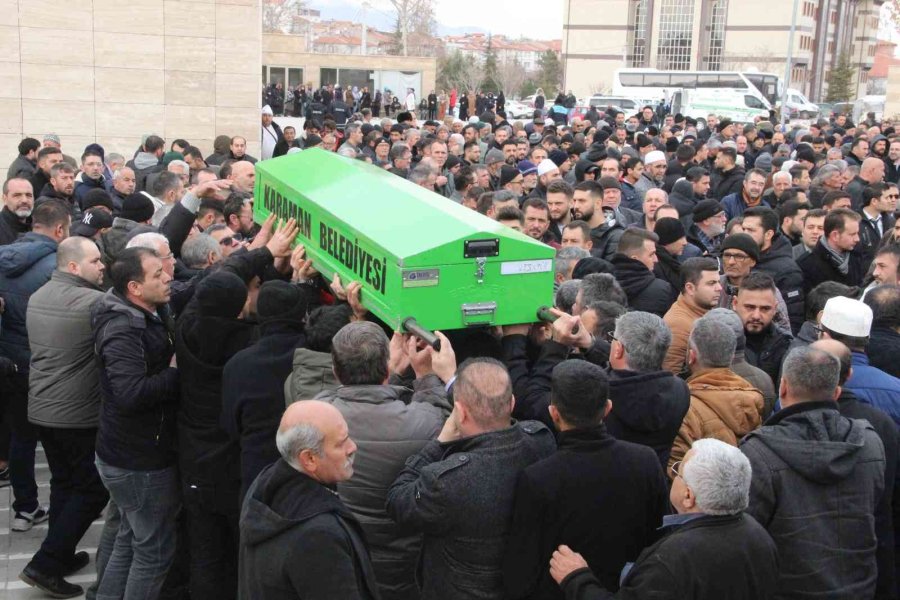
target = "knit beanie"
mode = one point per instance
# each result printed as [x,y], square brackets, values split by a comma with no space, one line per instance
[137,207]
[280,300]
[742,242]
[221,294]
[97,197]
[669,230]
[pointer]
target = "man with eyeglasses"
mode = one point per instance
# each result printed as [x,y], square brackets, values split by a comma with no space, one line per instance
[222,234]
[739,256]
[879,204]
[710,548]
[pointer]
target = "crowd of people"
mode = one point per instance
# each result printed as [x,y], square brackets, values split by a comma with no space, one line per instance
[713,412]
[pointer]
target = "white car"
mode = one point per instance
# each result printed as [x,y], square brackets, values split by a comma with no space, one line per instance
[518,110]
[799,107]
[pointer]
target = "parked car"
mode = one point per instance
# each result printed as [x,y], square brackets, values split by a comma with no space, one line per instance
[826,109]
[518,110]
[797,106]
[627,105]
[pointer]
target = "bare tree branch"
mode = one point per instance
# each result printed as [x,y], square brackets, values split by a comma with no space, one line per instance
[510,77]
[471,77]
[278,15]
[408,12]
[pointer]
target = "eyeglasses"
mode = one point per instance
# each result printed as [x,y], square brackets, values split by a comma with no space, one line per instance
[228,241]
[738,258]
[894,196]
[819,331]
[675,468]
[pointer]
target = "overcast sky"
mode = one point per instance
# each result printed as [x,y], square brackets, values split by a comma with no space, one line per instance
[497,17]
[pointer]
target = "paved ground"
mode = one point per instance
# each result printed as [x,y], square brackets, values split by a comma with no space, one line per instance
[16,549]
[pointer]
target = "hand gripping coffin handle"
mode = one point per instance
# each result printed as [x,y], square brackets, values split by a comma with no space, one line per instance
[544,314]
[412,326]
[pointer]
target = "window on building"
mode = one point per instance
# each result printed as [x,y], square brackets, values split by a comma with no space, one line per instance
[637,33]
[676,21]
[718,14]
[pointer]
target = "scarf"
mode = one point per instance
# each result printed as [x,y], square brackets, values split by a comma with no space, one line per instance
[839,260]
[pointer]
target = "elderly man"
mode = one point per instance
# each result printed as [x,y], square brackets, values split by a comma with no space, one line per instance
[870,173]
[708,228]
[298,539]
[818,505]
[648,402]
[654,176]
[750,195]
[123,184]
[723,405]
[711,549]
[459,489]
[392,424]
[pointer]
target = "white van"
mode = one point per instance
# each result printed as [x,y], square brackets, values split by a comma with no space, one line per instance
[737,105]
[799,106]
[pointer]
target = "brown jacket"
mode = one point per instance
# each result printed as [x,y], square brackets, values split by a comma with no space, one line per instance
[680,319]
[723,406]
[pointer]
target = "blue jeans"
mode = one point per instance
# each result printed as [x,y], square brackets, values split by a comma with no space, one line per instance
[148,503]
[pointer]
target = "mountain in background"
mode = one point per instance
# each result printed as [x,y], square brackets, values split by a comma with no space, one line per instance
[383,20]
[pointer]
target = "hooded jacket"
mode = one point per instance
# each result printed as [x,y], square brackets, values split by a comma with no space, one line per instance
[723,406]
[25,266]
[299,540]
[817,479]
[389,423]
[684,200]
[64,385]
[668,269]
[114,241]
[778,261]
[143,164]
[647,409]
[723,183]
[644,291]
[139,390]
[311,374]
[208,458]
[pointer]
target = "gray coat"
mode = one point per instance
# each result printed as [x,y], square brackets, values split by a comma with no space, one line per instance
[311,375]
[817,479]
[389,424]
[64,385]
[460,494]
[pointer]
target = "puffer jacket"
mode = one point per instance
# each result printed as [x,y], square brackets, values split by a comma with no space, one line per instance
[311,375]
[389,424]
[139,390]
[723,406]
[723,183]
[64,385]
[25,266]
[644,291]
[817,479]
[113,241]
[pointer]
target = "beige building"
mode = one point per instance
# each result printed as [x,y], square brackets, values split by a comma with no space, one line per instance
[285,59]
[110,71]
[600,36]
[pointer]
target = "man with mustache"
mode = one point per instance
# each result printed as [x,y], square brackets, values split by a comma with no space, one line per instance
[18,202]
[756,304]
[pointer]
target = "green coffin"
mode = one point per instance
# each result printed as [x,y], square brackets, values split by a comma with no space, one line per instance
[416,253]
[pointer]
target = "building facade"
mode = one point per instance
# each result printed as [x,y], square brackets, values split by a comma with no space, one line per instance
[110,71]
[600,36]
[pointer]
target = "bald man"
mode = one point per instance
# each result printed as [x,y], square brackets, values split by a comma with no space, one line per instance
[242,176]
[850,407]
[298,540]
[871,172]
[458,490]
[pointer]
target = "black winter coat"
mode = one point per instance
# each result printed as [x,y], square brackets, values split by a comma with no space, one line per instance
[531,384]
[645,292]
[778,261]
[723,183]
[605,239]
[883,350]
[11,228]
[818,266]
[726,557]
[209,461]
[669,270]
[767,350]
[460,495]
[647,409]
[684,201]
[139,390]
[603,496]
[870,239]
[298,540]
[253,396]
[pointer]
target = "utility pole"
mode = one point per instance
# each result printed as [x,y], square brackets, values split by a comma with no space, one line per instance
[788,66]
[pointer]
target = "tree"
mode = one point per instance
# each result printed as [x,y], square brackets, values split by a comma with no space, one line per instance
[471,77]
[840,81]
[412,15]
[278,15]
[549,73]
[510,77]
[490,67]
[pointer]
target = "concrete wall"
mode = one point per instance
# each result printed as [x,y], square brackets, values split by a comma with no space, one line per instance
[290,51]
[595,37]
[111,70]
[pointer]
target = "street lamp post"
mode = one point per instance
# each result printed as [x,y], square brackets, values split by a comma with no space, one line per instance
[788,66]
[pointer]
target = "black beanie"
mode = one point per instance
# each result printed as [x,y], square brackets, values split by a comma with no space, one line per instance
[280,300]
[591,264]
[507,174]
[137,207]
[742,242]
[221,294]
[97,197]
[668,230]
